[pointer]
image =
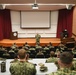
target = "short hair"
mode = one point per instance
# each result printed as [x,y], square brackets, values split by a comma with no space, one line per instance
[66,57]
[21,53]
[52,53]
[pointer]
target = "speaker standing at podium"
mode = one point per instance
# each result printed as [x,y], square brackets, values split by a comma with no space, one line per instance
[37,37]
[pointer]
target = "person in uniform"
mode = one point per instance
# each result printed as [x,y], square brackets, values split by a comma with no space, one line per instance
[14,46]
[22,67]
[52,57]
[64,34]
[37,37]
[65,65]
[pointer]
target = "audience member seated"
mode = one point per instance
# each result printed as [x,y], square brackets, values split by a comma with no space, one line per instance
[26,45]
[38,47]
[12,53]
[74,51]
[22,67]
[16,49]
[62,47]
[6,55]
[2,51]
[50,45]
[52,57]
[40,54]
[57,53]
[14,46]
[2,48]
[32,50]
[65,65]
[46,49]
[15,59]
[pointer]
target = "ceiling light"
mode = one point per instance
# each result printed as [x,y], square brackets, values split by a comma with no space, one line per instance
[35,6]
[2,6]
[69,6]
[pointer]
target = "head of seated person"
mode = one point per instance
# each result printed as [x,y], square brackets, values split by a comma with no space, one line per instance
[65,65]
[52,54]
[65,60]
[22,67]
[52,57]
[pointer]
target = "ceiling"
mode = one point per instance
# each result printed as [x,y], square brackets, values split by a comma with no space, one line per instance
[43,4]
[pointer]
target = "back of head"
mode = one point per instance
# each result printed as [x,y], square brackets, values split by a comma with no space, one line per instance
[21,53]
[66,57]
[52,53]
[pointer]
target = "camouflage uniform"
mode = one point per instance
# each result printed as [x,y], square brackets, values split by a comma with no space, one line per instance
[15,60]
[46,48]
[38,47]
[51,59]
[65,71]
[14,46]
[74,51]
[37,39]
[22,68]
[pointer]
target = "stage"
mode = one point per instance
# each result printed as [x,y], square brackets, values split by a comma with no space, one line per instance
[30,41]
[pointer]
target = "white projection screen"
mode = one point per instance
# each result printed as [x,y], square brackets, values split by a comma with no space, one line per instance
[39,19]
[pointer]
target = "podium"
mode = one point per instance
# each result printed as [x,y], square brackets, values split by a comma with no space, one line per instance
[14,35]
[68,42]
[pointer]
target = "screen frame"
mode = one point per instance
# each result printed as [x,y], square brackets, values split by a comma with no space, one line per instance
[35,27]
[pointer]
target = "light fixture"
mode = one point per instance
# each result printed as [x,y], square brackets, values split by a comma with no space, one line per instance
[69,6]
[2,6]
[35,5]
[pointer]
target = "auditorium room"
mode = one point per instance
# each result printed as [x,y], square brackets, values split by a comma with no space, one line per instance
[37,37]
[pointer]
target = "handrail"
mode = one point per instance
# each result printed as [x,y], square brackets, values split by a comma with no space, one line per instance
[74,34]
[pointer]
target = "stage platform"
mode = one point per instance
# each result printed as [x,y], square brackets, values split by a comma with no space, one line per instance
[30,41]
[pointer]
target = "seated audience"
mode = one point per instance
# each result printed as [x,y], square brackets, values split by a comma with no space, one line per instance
[15,59]
[26,45]
[6,54]
[74,50]
[14,46]
[40,52]
[65,65]
[46,48]
[62,47]
[22,67]
[57,53]
[38,46]
[52,57]
[50,45]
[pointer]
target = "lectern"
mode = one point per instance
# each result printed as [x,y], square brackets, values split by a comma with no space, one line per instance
[68,42]
[14,35]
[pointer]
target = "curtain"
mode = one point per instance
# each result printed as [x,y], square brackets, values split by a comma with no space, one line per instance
[5,24]
[65,18]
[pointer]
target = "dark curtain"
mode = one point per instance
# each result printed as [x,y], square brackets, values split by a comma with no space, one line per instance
[65,19]
[5,24]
